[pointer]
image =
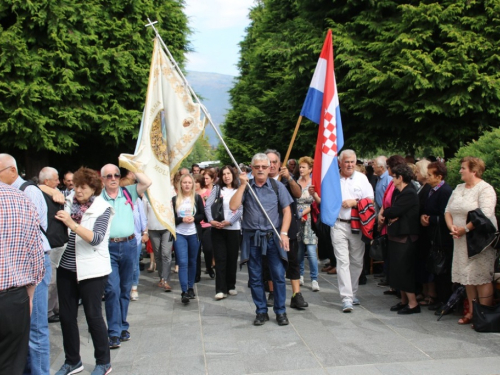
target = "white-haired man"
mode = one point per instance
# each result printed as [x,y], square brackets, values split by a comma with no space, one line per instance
[348,247]
[122,250]
[383,179]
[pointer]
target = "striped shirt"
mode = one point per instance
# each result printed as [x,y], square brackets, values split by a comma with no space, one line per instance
[68,259]
[21,249]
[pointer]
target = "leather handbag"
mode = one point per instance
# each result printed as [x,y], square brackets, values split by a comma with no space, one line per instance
[217,207]
[486,318]
[437,261]
[378,248]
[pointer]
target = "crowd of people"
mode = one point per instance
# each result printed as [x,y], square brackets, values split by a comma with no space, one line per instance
[268,217]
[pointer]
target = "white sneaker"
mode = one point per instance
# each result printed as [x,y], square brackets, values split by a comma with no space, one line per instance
[134,295]
[233,292]
[315,286]
[220,296]
[301,280]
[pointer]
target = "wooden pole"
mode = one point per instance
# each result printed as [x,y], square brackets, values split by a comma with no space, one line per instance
[292,142]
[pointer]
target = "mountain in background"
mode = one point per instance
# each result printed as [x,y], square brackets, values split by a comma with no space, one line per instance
[213,90]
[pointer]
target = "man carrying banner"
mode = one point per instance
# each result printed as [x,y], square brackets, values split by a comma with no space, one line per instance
[259,238]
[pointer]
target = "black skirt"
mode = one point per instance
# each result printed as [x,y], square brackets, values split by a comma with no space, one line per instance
[402,257]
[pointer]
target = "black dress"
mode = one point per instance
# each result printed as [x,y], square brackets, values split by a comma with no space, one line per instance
[402,235]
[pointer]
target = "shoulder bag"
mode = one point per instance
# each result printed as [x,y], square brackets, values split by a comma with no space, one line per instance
[217,208]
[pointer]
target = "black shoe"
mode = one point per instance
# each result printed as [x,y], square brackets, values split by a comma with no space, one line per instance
[390,293]
[185,298]
[125,336]
[399,306]
[114,342]
[282,319]
[211,273]
[260,319]
[379,275]
[270,300]
[190,293]
[54,319]
[408,310]
[435,306]
[298,302]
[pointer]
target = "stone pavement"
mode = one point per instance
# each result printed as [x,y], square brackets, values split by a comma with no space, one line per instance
[217,337]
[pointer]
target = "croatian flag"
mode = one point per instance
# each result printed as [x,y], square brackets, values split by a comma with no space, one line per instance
[322,107]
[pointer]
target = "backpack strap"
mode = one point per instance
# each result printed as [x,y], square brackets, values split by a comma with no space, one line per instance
[23,187]
[128,197]
[275,188]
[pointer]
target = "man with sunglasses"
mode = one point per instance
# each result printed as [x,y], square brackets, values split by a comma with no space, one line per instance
[122,250]
[259,238]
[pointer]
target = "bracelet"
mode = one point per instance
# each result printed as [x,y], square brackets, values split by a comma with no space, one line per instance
[76,226]
[285,233]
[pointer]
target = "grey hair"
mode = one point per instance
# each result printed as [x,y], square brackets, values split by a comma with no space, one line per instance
[260,157]
[46,174]
[347,152]
[381,161]
[107,165]
[9,159]
[422,167]
[289,160]
[275,152]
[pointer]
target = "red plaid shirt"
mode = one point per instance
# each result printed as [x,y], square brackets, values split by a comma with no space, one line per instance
[21,248]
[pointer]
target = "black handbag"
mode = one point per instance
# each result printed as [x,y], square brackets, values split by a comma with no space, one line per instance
[378,248]
[217,207]
[437,260]
[486,318]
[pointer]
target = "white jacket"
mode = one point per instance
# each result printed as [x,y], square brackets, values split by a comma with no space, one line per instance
[91,261]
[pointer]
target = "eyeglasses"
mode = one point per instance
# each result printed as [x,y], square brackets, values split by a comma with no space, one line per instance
[264,167]
[274,161]
[110,176]
[5,169]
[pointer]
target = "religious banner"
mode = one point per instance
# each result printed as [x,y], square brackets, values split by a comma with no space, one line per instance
[170,126]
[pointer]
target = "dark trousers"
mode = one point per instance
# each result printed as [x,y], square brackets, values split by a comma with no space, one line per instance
[14,330]
[293,268]
[226,245]
[91,292]
[206,247]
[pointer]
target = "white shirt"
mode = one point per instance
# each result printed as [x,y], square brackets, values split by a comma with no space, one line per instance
[355,187]
[186,209]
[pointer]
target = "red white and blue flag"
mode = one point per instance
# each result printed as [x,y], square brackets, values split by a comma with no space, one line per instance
[322,107]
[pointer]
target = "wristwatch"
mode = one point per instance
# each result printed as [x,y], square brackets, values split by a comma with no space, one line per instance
[467,230]
[285,233]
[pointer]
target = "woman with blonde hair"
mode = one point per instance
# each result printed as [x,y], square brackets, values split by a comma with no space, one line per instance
[189,212]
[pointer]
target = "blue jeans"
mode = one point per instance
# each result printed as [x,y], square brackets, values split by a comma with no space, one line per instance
[137,271]
[277,271]
[117,291]
[186,253]
[313,259]
[39,348]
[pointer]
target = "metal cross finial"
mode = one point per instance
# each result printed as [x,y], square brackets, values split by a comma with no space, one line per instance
[150,23]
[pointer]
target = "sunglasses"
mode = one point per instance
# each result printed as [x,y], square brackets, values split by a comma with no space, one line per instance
[260,167]
[110,176]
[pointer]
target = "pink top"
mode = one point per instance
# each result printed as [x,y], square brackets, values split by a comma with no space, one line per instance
[387,202]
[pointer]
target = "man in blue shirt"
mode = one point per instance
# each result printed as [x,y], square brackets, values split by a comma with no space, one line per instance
[383,179]
[259,238]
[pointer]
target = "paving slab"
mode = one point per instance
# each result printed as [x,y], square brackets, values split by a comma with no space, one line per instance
[217,337]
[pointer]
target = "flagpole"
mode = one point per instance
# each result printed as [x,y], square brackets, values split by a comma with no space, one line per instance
[172,60]
[293,140]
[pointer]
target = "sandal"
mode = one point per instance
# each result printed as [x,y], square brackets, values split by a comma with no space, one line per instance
[428,301]
[465,319]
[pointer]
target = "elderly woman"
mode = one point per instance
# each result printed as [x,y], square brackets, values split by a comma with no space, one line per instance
[402,220]
[476,273]
[83,267]
[434,228]
[226,235]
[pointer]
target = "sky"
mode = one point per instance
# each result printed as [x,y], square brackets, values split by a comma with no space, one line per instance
[218,26]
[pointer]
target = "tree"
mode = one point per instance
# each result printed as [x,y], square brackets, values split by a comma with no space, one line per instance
[202,151]
[410,74]
[75,73]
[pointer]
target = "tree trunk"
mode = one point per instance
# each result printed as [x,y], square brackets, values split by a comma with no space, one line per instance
[34,161]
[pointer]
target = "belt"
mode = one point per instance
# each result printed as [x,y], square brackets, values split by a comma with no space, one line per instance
[122,239]
[344,221]
[13,289]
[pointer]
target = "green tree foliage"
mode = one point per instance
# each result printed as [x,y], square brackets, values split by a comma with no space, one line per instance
[409,73]
[71,71]
[202,151]
[487,147]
